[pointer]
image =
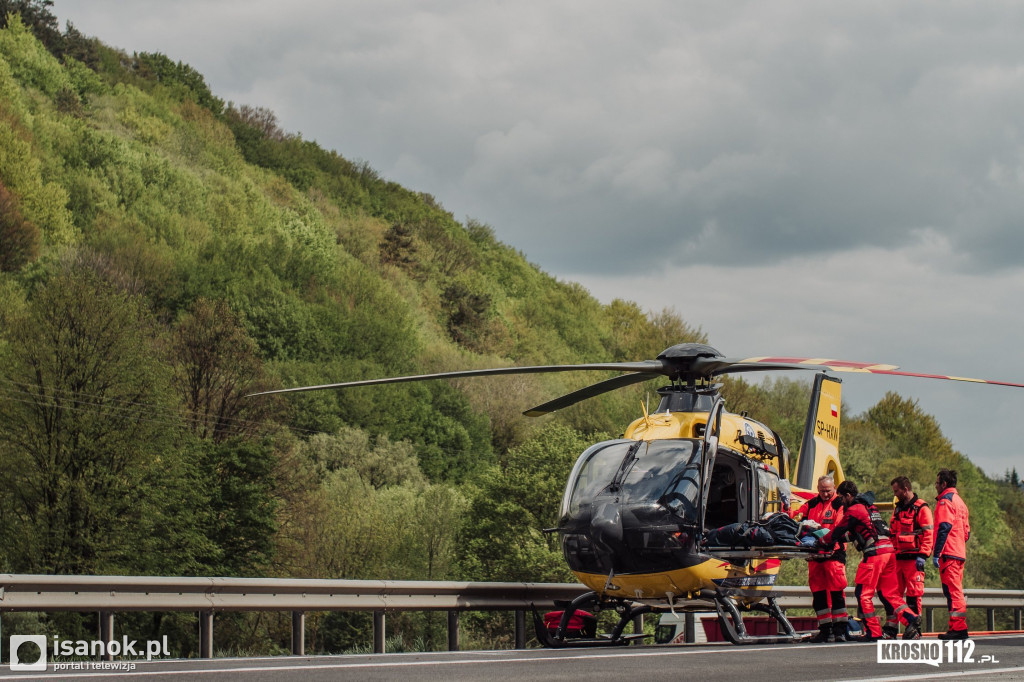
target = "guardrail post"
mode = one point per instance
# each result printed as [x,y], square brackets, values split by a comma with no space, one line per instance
[929,619]
[521,629]
[453,631]
[690,628]
[638,627]
[298,633]
[206,634]
[1016,619]
[378,632]
[106,634]
[990,619]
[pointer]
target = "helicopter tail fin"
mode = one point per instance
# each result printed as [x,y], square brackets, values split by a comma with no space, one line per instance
[819,450]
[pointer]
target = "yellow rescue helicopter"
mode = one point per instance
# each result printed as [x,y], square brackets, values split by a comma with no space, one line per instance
[637,512]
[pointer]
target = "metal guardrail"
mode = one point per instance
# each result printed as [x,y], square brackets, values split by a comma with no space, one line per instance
[110,594]
[131,593]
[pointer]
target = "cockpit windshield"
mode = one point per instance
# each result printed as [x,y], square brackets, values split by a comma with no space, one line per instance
[662,473]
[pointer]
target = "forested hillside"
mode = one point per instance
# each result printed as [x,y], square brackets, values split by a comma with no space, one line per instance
[164,253]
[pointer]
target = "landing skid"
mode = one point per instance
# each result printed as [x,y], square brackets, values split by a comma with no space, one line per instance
[562,637]
[734,630]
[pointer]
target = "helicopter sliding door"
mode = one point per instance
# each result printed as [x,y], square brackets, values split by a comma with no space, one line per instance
[708,453]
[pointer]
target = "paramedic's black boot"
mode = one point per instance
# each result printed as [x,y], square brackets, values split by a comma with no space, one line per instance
[954,634]
[890,631]
[824,634]
[840,630]
[913,631]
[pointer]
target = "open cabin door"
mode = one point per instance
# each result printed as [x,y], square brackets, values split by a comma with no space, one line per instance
[760,492]
[739,494]
[708,452]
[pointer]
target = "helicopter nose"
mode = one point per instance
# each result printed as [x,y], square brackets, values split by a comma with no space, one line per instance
[606,526]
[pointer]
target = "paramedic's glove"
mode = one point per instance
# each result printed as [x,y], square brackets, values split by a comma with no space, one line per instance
[935,561]
[920,563]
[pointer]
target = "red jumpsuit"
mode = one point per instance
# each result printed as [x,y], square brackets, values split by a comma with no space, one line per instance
[952,530]
[826,572]
[912,531]
[877,571]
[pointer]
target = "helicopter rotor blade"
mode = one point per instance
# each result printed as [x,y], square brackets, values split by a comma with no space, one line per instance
[761,364]
[655,367]
[589,392]
[948,378]
[716,366]
[684,362]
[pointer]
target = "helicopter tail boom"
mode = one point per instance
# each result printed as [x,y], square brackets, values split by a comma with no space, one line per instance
[819,450]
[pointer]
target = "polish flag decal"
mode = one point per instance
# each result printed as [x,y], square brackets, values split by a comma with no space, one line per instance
[835,410]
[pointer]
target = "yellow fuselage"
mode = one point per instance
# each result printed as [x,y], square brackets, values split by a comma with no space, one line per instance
[751,577]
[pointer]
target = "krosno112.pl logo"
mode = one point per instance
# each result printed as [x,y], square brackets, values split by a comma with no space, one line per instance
[930,652]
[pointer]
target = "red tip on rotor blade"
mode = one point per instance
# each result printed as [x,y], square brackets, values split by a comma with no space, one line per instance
[817,361]
[949,378]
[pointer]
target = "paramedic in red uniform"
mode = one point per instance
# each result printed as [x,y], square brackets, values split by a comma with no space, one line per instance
[864,526]
[952,530]
[912,532]
[826,571]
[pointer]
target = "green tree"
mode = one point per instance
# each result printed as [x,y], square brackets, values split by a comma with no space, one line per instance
[439,511]
[178,77]
[466,311]
[514,502]
[636,335]
[241,505]
[85,423]
[217,366]
[377,461]
[398,247]
[36,15]
[19,239]
[910,430]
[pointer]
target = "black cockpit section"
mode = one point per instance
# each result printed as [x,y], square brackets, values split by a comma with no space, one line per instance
[632,506]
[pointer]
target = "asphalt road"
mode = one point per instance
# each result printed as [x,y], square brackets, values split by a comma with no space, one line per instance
[995,657]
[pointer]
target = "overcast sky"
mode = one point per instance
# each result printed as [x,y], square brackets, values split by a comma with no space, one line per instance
[796,178]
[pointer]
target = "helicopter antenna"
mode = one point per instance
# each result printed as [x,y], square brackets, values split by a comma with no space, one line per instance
[647,417]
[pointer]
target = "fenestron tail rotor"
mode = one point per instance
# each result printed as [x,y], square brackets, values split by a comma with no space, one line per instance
[683,363]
